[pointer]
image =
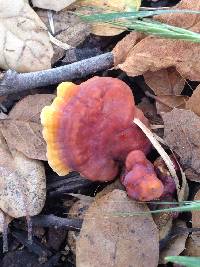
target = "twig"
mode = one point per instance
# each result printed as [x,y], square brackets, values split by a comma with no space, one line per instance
[14,82]
[54,221]
[68,188]
[36,247]
[53,261]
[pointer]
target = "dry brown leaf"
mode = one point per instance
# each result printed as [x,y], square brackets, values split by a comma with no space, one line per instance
[52,4]
[114,5]
[153,53]
[24,41]
[192,175]
[194,101]
[182,134]
[22,129]
[196,214]
[77,210]
[95,6]
[164,222]
[108,238]
[165,103]
[69,29]
[165,81]
[176,245]
[193,242]
[183,20]
[23,185]
[193,245]
[125,45]
[4,220]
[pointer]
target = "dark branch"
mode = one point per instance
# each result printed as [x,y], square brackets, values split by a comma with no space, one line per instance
[35,246]
[54,221]
[14,82]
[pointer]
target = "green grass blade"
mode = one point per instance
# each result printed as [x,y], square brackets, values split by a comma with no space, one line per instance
[184,208]
[159,29]
[146,26]
[184,260]
[136,14]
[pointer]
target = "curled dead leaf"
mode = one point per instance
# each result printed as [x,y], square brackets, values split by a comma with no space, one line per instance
[153,53]
[183,20]
[95,6]
[164,222]
[176,245]
[126,44]
[196,214]
[22,128]
[109,238]
[23,185]
[52,4]
[182,133]
[192,175]
[77,210]
[165,81]
[194,100]
[193,242]
[115,5]
[68,29]
[24,40]
[4,220]
[165,103]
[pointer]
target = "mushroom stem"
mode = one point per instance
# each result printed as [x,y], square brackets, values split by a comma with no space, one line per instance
[160,150]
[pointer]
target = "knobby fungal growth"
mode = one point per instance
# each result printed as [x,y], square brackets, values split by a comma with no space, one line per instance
[140,179]
[89,128]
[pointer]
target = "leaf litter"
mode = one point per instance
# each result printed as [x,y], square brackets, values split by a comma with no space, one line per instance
[24,120]
[111,233]
[153,53]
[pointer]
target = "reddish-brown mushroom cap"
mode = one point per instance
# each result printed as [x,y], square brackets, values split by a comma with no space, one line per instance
[89,128]
[140,180]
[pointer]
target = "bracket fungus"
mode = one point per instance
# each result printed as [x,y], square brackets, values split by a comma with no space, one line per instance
[89,128]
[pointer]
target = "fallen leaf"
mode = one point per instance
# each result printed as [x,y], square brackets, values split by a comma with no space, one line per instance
[165,81]
[95,6]
[124,46]
[183,20]
[165,103]
[196,214]
[176,245]
[23,185]
[22,129]
[192,175]
[109,238]
[193,245]
[193,242]
[124,5]
[182,133]
[29,108]
[109,188]
[153,53]
[68,28]
[4,220]
[24,40]
[77,210]
[52,4]
[150,111]
[194,100]
[164,222]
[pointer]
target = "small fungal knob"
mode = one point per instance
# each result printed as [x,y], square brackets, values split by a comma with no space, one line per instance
[140,179]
